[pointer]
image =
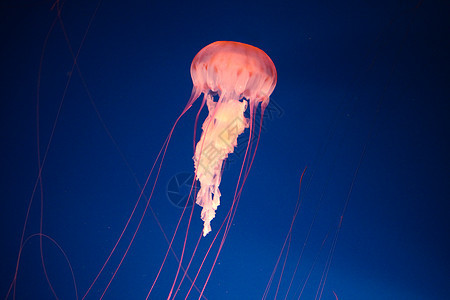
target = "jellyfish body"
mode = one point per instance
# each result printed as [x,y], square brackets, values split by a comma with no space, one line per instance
[241,75]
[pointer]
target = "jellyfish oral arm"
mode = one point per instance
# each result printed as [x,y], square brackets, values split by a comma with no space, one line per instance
[220,130]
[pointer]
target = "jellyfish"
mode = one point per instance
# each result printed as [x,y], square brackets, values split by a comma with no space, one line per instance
[241,76]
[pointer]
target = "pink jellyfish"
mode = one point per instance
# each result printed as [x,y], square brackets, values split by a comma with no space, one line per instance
[241,75]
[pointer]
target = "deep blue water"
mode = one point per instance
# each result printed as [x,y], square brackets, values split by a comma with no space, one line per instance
[362,100]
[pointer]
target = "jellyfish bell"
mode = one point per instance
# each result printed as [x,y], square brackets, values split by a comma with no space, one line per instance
[241,75]
[236,70]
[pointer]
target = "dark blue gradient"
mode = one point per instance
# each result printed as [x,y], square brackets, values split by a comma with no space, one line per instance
[362,100]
